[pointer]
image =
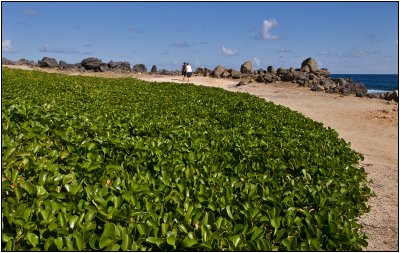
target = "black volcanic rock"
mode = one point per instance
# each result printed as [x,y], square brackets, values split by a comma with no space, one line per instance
[92,63]
[47,62]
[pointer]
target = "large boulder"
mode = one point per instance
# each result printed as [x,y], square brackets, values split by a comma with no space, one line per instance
[391,96]
[323,72]
[119,65]
[92,63]
[309,65]
[225,74]
[62,64]
[140,68]
[47,62]
[5,61]
[260,71]
[218,71]
[288,77]
[281,71]
[340,81]
[234,73]
[241,83]
[153,69]
[246,68]
[359,88]
[26,62]
[200,72]
[260,79]
[271,70]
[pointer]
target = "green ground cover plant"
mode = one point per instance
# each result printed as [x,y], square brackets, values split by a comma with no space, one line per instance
[121,164]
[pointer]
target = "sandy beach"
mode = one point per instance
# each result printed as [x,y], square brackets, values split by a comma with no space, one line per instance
[369,125]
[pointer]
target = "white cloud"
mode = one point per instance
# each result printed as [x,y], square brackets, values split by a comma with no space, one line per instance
[228,51]
[256,61]
[268,24]
[6,46]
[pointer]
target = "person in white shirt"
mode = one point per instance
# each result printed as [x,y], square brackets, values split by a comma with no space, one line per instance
[188,71]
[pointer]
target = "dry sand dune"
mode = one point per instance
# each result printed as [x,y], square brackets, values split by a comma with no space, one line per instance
[369,125]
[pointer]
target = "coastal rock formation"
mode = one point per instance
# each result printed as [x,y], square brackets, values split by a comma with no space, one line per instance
[308,75]
[94,64]
[234,73]
[47,62]
[5,61]
[62,64]
[241,83]
[26,62]
[119,65]
[217,72]
[309,65]
[246,68]
[271,70]
[153,69]
[140,68]
[202,72]
[391,96]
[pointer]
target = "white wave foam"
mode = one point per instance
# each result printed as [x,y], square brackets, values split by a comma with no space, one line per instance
[377,91]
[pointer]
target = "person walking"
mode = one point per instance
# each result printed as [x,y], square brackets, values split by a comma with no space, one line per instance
[188,71]
[184,70]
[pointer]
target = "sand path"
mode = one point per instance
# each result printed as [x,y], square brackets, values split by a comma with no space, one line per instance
[369,125]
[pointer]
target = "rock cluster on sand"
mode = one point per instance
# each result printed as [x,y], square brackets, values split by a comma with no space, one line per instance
[308,75]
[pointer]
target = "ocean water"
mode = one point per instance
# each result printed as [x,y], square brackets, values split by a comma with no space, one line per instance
[375,83]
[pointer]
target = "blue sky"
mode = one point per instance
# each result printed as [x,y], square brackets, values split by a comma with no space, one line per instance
[345,37]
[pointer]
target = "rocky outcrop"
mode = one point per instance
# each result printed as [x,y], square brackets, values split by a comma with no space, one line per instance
[241,83]
[121,66]
[309,65]
[271,70]
[5,61]
[47,62]
[202,72]
[390,96]
[308,75]
[234,73]
[139,68]
[153,69]
[26,63]
[246,68]
[93,64]
[218,71]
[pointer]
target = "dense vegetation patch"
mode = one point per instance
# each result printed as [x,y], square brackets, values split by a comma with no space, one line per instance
[120,164]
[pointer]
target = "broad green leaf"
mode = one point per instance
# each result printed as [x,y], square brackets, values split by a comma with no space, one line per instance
[42,178]
[257,232]
[141,228]
[171,239]
[33,239]
[228,210]
[59,243]
[105,241]
[235,240]
[154,240]
[80,243]
[188,243]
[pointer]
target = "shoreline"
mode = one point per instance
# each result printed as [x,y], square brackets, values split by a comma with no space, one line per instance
[369,125]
